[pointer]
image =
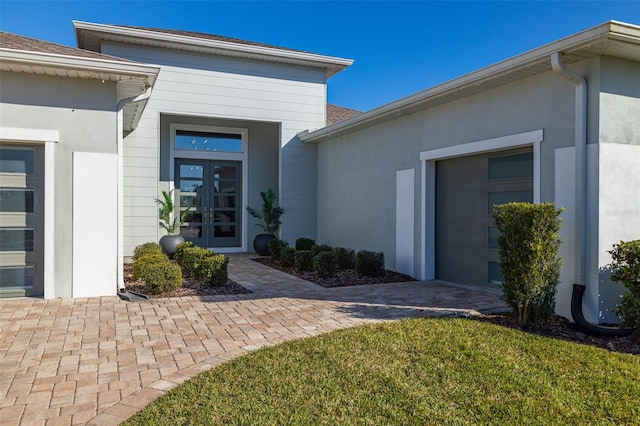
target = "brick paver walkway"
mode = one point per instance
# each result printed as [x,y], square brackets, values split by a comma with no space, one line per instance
[99,360]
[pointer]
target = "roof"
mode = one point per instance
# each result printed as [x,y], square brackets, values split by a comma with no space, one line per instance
[32,56]
[614,39]
[337,113]
[91,36]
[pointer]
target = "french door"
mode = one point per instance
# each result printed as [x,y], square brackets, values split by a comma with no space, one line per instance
[212,192]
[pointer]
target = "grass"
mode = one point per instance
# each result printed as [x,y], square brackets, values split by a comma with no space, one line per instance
[416,371]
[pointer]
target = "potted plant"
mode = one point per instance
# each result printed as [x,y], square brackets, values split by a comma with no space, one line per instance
[170,223]
[269,216]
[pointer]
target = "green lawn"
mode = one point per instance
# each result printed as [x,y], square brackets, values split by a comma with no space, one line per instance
[418,371]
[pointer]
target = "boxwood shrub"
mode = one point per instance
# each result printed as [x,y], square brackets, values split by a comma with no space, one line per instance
[303,260]
[305,243]
[319,248]
[325,263]
[161,277]
[143,261]
[177,255]
[529,260]
[275,247]
[192,259]
[146,248]
[213,270]
[370,264]
[287,257]
[625,267]
[346,257]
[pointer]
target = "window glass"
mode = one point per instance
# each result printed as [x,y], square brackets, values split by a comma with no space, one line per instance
[206,141]
[493,235]
[495,274]
[496,198]
[511,166]
[17,160]
[16,239]
[16,277]
[16,200]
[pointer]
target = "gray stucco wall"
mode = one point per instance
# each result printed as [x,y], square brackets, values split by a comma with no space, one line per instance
[356,172]
[83,111]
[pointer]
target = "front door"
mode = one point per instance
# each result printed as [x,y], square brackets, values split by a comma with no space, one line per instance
[21,220]
[212,190]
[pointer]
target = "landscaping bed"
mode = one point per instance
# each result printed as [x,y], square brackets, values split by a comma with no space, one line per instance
[342,277]
[190,287]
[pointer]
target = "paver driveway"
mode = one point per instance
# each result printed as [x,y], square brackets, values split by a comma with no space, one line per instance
[99,360]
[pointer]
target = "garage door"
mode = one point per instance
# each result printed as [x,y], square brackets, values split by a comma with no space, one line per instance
[466,190]
[21,220]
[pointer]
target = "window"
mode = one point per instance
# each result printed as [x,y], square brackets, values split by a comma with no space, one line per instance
[207,141]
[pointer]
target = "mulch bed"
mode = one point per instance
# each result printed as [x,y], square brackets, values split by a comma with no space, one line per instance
[343,277]
[190,287]
[561,328]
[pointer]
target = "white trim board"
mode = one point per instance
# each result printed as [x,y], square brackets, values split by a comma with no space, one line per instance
[428,196]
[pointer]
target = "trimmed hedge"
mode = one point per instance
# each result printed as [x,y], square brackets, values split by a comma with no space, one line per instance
[275,247]
[192,259]
[303,260]
[214,270]
[626,270]
[319,248]
[146,248]
[287,257]
[161,277]
[326,263]
[177,255]
[346,257]
[529,259]
[370,264]
[305,243]
[143,261]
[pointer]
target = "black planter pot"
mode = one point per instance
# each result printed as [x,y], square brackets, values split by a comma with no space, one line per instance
[261,243]
[169,244]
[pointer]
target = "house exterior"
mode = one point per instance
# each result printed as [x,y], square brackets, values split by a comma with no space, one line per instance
[100,131]
[557,124]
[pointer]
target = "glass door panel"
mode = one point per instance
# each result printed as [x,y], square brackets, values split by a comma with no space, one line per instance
[212,191]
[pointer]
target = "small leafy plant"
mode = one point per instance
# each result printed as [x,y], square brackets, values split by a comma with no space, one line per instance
[165,212]
[269,215]
[326,263]
[370,263]
[626,270]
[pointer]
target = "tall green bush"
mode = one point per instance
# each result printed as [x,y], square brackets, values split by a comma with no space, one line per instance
[142,261]
[287,257]
[161,277]
[191,260]
[346,257]
[304,243]
[146,248]
[626,270]
[180,248]
[214,270]
[325,263]
[303,260]
[529,259]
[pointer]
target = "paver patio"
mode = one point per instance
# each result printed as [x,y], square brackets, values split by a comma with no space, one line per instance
[99,360]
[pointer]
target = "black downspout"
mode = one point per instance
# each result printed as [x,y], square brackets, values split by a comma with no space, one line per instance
[578,317]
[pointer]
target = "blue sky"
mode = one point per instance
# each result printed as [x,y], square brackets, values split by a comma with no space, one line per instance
[399,47]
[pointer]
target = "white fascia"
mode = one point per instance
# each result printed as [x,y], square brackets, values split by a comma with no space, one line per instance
[91,67]
[321,61]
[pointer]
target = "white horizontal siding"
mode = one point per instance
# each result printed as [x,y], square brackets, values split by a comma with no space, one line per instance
[204,86]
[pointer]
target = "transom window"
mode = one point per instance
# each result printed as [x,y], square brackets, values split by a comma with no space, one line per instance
[207,141]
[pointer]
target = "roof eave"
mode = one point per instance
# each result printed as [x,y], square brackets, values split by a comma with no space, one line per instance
[611,30]
[330,64]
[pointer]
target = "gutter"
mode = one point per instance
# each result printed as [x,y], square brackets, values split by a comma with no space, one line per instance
[119,142]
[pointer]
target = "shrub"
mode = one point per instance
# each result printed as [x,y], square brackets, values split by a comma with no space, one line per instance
[319,248]
[287,257]
[146,248]
[177,255]
[275,247]
[214,270]
[192,259]
[529,258]
[303,260]
[346,257]
[305,243]
[370,264]
[142,261]
[161,277]
[326,263]
[626,269]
